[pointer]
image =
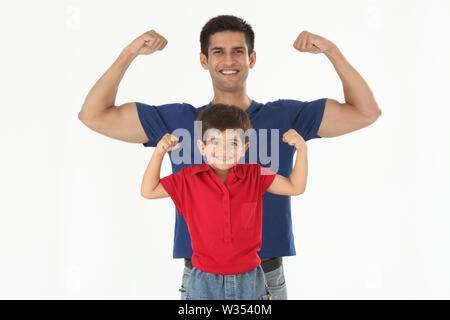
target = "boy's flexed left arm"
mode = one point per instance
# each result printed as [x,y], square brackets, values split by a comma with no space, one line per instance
[296,184]
[151,186]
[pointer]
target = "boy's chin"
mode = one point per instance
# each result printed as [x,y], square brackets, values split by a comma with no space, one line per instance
[223,165]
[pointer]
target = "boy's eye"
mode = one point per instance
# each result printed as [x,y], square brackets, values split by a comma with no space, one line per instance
[232,144]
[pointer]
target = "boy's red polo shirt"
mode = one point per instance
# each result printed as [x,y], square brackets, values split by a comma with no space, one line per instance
[224,219]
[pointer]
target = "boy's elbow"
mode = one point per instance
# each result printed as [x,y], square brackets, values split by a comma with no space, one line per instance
[147,195]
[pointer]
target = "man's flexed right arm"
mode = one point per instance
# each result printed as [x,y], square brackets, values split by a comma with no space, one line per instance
[99,111]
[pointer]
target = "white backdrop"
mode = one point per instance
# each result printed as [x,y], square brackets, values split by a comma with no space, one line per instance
[373,222]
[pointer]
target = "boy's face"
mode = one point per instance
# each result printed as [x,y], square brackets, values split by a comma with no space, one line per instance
[223,149]
[228,61]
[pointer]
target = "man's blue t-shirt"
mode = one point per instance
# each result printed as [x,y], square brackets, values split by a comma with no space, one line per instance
[283,114]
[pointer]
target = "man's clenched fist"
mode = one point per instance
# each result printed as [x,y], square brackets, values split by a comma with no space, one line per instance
[310,42]
[147,43]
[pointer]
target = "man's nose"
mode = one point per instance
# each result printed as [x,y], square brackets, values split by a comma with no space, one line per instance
[228,59]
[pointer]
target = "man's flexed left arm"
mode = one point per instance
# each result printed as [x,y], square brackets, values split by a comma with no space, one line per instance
[360,108]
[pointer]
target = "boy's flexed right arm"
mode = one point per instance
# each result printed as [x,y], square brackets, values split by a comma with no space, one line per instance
[151,187]
[99,112]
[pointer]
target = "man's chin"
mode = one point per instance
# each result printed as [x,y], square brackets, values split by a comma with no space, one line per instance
[230,86]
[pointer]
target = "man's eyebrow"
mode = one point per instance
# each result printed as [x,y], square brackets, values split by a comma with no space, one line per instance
[220,48]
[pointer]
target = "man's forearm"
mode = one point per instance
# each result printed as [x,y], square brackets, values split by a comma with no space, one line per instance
[356,91]
[103,94]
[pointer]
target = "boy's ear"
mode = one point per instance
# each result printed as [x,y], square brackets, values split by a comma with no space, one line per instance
[201,146]
[246,146]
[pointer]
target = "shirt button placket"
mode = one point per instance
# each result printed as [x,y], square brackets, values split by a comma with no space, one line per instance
[227,216]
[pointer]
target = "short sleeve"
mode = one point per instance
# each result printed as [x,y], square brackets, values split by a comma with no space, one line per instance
[266,178]
[174,185]
[305,117]
[157,121]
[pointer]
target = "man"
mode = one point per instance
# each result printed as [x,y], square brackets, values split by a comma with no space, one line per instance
[227,44]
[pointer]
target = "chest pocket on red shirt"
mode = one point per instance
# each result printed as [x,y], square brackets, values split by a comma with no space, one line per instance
[247,212]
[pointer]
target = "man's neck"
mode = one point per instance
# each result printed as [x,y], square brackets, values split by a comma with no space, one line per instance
[240,100]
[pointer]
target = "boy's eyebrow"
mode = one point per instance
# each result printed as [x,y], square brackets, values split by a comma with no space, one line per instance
[214,138]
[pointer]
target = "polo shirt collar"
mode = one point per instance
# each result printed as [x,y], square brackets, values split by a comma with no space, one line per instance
[200,168]
[237,169]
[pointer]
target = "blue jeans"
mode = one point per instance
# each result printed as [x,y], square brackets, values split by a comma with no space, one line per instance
[273,281]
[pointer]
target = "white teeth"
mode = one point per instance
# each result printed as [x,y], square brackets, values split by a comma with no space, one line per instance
[229,72]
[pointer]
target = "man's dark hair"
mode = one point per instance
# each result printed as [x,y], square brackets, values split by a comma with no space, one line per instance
[226,23]
[222,116]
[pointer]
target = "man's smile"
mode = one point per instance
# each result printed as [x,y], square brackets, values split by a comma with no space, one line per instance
[229,72]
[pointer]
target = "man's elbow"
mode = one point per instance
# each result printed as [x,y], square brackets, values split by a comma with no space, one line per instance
[377,115]
[298,191]
[374,117]
[91,120]
[84,119]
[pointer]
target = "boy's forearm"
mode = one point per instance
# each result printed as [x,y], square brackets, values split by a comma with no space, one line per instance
[299,173]
[152,173]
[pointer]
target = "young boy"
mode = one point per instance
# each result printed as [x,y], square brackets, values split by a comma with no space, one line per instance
[221,201]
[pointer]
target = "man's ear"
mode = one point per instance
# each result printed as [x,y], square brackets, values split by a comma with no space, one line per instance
[201,147]
[252,59]
[203,61]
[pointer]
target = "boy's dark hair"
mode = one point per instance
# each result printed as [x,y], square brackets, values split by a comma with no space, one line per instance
[226,23]
[221,117]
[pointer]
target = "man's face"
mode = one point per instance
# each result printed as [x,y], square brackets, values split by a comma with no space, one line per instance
[228,61]
[223,149]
